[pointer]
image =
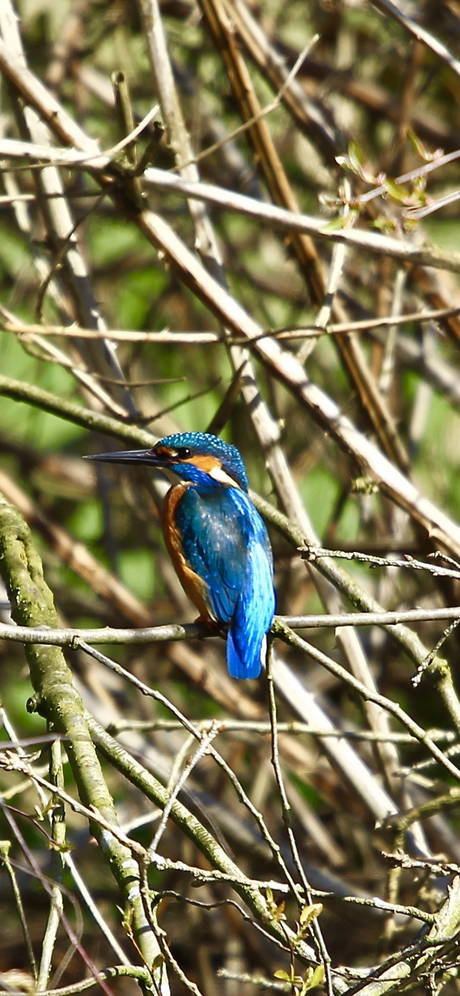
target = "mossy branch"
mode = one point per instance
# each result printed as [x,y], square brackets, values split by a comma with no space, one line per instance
[58,701]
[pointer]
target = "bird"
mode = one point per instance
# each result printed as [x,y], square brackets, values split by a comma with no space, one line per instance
[216,538]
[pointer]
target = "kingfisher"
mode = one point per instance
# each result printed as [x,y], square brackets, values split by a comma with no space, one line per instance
[216,539]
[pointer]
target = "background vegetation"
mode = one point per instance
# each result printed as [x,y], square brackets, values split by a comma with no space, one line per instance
[271,257]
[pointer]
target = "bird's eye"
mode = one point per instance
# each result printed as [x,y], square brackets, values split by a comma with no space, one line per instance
[184,453]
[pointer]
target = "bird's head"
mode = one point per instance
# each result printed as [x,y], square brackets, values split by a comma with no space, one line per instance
[191,456]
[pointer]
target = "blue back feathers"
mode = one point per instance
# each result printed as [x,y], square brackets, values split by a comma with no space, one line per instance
[226,543]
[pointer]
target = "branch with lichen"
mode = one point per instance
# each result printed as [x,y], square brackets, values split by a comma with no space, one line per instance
[57,700]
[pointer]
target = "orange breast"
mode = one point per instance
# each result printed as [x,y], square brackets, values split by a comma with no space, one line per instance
[193,585]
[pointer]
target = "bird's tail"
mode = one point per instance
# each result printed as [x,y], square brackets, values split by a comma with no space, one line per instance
[252,617]
[243,659]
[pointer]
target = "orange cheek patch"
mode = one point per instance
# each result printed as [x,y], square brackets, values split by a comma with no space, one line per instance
[206,463]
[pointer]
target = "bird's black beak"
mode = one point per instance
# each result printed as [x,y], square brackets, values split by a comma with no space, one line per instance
[147,458]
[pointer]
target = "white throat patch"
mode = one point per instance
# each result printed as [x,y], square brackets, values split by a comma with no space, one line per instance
[219,475]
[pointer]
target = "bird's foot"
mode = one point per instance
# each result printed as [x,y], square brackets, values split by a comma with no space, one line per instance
[211,624]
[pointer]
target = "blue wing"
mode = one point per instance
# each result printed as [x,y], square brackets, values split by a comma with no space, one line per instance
[254,610]
[225,542]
